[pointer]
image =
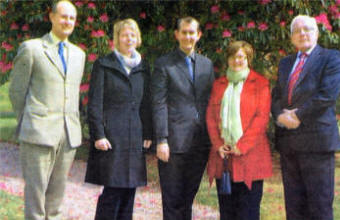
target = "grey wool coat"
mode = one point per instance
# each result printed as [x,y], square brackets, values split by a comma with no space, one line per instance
[118,110]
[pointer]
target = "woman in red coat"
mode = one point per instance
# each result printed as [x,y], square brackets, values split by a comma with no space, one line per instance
[237,118]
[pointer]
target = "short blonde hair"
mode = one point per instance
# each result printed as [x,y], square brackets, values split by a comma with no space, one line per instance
[120,25]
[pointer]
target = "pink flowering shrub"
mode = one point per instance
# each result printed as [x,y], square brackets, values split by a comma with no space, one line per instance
[263,23]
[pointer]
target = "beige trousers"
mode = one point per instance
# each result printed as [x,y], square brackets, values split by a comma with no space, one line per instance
[45,171]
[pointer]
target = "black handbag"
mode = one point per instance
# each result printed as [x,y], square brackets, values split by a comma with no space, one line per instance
[225,184]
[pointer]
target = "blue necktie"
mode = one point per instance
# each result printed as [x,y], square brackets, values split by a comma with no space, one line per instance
[61,55]
[189,64]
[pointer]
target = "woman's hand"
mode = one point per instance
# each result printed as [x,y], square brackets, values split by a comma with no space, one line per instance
[223,151]
[102,144]
[147,144]
[226,150]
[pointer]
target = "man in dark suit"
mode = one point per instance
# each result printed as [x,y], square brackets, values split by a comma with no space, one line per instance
[307,136]
[181,86]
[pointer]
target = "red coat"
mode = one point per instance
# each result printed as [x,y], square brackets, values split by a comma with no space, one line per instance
[254,163]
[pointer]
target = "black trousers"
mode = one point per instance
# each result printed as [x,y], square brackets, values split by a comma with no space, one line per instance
[308,180]
[242,204]
[180,178]
[115,204]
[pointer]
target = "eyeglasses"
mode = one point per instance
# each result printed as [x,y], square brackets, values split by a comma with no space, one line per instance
[306,30]
[238,57]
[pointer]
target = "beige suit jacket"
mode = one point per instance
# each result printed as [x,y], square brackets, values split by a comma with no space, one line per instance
[44,98]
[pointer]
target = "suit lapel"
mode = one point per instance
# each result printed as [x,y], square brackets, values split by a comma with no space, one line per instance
[313,58]
[182,66]
[285,75]
[51,52]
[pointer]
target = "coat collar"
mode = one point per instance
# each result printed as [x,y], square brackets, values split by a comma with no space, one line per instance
[251,77]
[111,61]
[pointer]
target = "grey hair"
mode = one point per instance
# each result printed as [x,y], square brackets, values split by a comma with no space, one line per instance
[306,18]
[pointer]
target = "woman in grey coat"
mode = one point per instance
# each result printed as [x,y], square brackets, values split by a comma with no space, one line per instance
[120,123]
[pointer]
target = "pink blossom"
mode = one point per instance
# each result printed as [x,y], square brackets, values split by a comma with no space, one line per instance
[90,19]
[25,27]
[251,24]
[82,46]
[226,33]
[91,5]
[84,87]
[214,9]
[322,19]
[290,12]
[3,13]
[216,69]
[160,28]
[283,23]
[79,3]
[337,2]
[6,46]
[142,15]
[97,34]
[282,52]
[333,9]
[4,67]
[14,26]
[264,2]
[262,26]
[92,57]
[85,101]
[111,44]
[225,16]
[104,18]
[209,26]
[241,28]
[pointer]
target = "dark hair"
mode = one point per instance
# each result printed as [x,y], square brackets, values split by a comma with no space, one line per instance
[188,20]
[235,46]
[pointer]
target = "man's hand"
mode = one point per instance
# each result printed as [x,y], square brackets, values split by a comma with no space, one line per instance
[163,152]
[102,144]
[147,144]
[289,119]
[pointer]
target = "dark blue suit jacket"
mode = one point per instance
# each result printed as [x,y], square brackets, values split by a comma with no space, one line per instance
[178,103]
[314,96]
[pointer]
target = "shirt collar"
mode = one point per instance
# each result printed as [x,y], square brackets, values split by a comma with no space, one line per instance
[308,52]
[56,40]
[182,54]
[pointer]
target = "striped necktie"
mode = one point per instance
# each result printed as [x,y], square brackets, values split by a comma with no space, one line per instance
[294,76]
[61,55]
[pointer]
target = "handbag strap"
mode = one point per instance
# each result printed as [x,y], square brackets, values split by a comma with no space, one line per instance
[225,164]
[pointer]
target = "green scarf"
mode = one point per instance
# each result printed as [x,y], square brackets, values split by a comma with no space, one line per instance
[231,126]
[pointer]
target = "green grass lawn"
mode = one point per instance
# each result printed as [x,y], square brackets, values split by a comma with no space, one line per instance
[7,117]
[11,207]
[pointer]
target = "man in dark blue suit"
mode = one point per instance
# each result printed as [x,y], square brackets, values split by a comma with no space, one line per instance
[181,85]
[307,135]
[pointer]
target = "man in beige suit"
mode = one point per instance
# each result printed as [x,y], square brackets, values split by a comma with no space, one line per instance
[45,95]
